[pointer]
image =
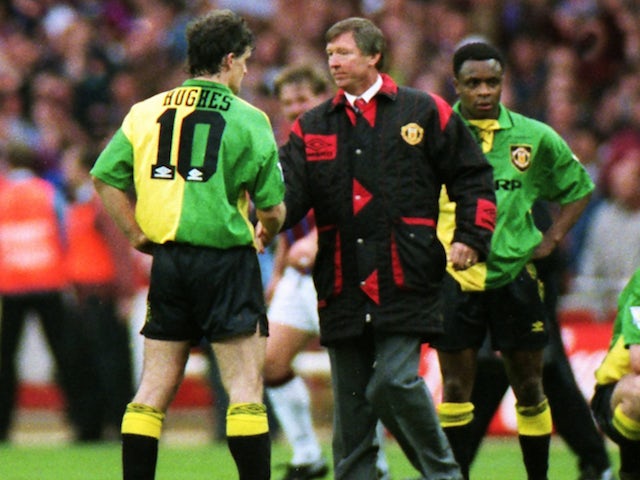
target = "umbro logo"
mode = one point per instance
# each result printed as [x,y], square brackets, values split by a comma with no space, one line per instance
[195,175]
[163,172]
[537,326]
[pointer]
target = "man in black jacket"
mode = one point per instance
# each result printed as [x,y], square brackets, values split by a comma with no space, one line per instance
[371,163]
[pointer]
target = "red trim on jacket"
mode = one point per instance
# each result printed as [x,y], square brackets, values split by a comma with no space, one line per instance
[361,196]
[428,222]
[396,264]
[388,88]
[444,110]
[486,214]
[337,262]
[371,287]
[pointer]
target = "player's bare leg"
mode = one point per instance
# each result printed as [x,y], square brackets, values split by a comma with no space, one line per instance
[241,363]
[162,373]
[456,410]
[524,369]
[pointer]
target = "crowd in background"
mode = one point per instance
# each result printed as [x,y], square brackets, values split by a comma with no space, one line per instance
[69,71]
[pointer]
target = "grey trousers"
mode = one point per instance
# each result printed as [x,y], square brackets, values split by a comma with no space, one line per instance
[376,376]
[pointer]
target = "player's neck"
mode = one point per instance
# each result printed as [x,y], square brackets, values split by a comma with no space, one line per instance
[220,77]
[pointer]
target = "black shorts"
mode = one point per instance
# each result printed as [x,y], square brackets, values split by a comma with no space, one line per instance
[513,315]
[198,292]
[601,408]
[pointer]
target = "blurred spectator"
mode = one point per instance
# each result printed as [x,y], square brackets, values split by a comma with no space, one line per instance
[32,280]
[103,290]
[528,74]
[88,42]
[584,142]
[604,267]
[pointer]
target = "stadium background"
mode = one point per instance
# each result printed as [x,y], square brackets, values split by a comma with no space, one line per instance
[573,63]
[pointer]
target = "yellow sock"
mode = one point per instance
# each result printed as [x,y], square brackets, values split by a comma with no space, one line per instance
[245,419]
[534,421]
[455,414]
[143,420]
[627,426]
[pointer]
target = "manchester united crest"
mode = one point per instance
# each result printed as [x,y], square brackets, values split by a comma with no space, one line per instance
[521,156]
[412,133]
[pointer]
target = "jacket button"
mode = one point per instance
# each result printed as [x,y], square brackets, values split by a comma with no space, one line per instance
[360,241]
[358,151]
[367,318]
[363,283]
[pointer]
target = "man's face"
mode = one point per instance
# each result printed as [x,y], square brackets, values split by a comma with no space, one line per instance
[297,98]
[350,68]
[479,86]
[237,70]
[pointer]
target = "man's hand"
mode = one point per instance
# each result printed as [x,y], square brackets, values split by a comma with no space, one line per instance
[302,253]
[462,256]
[269,222]
[263,238]
[141,243]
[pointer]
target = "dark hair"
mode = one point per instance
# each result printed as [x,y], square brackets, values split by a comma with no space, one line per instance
[298,74]
[213,36]
[369,38]
[475,51]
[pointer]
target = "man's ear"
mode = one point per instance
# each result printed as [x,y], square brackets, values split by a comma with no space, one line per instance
[228,59]
[375,59]
[225,64]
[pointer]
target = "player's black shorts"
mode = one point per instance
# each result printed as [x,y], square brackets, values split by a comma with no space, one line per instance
[198,292]
[514,315]
[601,408]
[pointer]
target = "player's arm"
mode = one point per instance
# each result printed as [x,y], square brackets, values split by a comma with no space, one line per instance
[270,221]
[566,218]
[121,209]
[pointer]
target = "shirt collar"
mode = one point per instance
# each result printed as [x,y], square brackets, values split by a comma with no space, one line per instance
[504,118]
[368,94]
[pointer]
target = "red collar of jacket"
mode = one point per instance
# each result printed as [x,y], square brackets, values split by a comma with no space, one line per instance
[388,88]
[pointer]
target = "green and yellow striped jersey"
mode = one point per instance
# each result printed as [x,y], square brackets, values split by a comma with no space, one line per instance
[530,161]
[626,331]
[196,155]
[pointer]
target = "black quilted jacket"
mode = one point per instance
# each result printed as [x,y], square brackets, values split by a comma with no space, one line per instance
[374,180]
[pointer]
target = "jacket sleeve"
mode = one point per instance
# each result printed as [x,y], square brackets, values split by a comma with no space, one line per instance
[293,162]
[468,177]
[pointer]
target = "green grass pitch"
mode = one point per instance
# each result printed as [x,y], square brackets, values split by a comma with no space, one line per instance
[499,459]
